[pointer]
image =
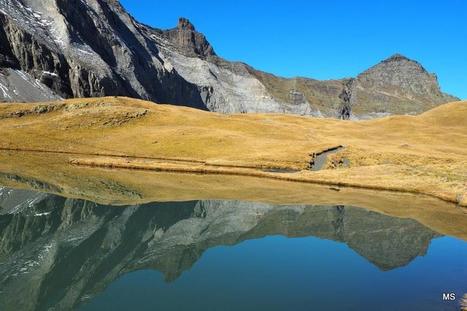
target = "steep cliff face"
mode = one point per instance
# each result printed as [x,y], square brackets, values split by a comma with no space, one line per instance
[187,40]
[89,48]
[61,251]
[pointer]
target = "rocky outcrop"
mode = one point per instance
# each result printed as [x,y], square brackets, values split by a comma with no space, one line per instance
[46,52]
[345,110]
[188,41]
[62,251]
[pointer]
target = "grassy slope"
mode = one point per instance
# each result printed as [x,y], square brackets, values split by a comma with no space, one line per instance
[422,154]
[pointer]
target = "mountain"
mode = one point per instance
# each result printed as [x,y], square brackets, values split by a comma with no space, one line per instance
[396,85]
[61,252]
[47,52]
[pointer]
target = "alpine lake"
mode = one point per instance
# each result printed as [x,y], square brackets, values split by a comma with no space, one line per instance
[104,239]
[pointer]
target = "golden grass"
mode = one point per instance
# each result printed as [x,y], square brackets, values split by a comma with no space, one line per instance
[419,154]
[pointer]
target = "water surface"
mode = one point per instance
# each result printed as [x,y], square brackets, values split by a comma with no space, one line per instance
[61,254]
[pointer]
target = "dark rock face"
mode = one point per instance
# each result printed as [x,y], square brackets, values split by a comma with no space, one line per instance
[345,110]
[90,48]
[60,250]
[188,40]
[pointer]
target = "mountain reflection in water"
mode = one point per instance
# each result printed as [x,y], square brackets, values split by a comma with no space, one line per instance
[59,252]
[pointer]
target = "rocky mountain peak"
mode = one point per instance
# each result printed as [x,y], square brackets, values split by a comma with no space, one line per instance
[185,24]
[83,48]
[189,42]
[401,76]
[398,60]
[397,84]
[397,57]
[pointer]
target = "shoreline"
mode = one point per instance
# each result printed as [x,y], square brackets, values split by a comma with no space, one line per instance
[219,169]
[182,166]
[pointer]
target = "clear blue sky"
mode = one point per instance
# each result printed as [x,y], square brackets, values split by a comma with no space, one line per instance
[326,39]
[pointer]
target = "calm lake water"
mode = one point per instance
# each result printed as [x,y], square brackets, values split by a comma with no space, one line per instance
[68,254]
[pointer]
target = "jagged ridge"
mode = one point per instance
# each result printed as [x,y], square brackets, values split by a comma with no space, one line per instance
[46,53]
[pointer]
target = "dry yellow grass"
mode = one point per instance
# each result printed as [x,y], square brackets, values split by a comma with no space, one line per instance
[420,154]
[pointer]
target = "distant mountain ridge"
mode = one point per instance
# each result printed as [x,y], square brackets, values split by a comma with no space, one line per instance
[91,48]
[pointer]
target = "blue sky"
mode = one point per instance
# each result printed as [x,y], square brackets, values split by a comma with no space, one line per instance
[326,39]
